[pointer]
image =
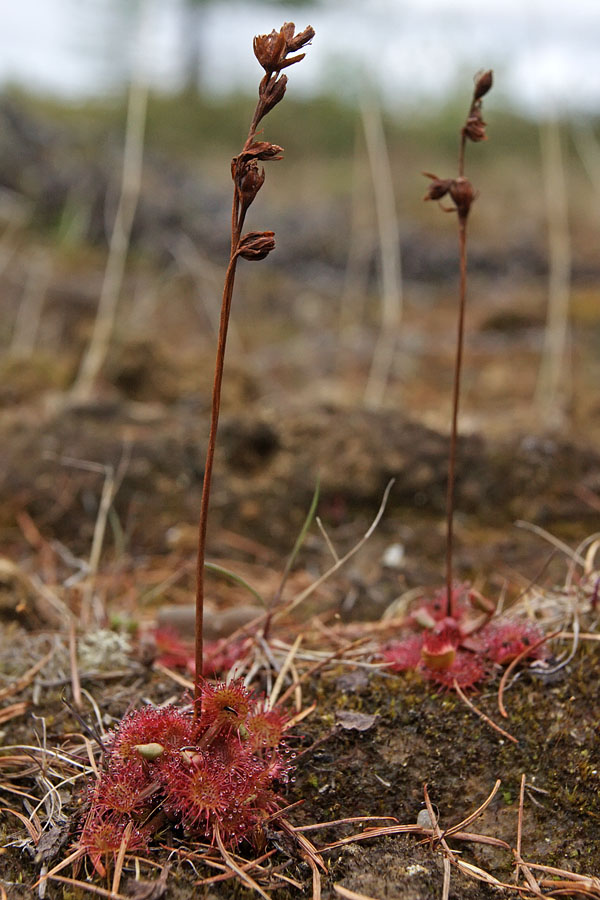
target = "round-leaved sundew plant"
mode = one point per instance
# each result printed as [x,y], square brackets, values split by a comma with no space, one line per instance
[218,772]
[465,649]
[214,772]
[453,639]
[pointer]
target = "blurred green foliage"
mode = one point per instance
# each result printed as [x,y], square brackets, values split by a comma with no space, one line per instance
[322,125]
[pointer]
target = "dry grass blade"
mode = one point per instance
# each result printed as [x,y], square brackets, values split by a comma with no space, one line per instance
[229,860]
[564,873]
[86,886]
[556,542]
[349,821]
[448,855]
[350,895]
[473,838]
[321,665]
[33,831]
[482,715]
[309,849]
[476,872]
[475,815]
[305,594]
[13,712]
[225,876]
[512,666]
[90,754]
[316,878]
[389,252]
[375,833]
[73,857]
[569,889]
[283,671]
[121,857]
[520,826]
[27,678]
[75,680]
[291,723]
[174,676]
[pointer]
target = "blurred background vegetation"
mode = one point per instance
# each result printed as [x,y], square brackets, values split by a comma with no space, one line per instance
[310,318]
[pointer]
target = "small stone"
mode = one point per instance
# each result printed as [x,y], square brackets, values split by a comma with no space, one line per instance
[355,721]
[393,556]
[424,819]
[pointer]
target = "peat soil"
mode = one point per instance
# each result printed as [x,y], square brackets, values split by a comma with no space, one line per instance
[410,733]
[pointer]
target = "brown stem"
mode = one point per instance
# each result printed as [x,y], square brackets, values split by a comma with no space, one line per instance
[461,154]
[208,466]
[238,216]
[462,236]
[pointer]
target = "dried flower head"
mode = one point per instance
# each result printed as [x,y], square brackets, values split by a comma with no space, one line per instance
[474,128]
[272,49]
[256,244]
[272,91]
[483,83]
[438,188]
[463,194]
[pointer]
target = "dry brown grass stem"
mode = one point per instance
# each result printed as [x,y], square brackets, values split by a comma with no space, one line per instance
[34,829]
[520,826]
[16,686]
[389,252]
[13,711]
[227,874]
[482,715]
[75,680]
[588,148]
[318,666]
[556,542]
[131,178]
[305,594]
[316,878]
[440,837]
[121,857]
[30,309]
[553,385]
[239,871]
[307,848]
[89,887]
[514,663]
[283,672]
[350,895]
[351,820]
[588,885]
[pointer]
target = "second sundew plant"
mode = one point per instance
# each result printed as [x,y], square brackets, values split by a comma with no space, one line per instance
[212,772]
[453,639]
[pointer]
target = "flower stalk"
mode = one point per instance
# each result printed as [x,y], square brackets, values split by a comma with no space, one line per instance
[461,192]
[272,52]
